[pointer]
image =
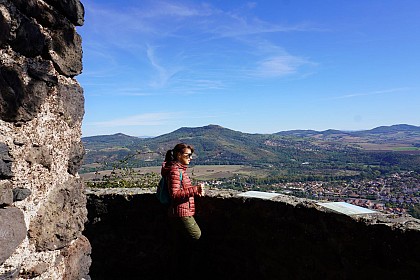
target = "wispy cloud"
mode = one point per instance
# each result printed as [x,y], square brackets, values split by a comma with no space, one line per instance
[164,74]
[165,9]
[146,119]
[196,86]
[377,92]
[174,45]
[272,61]
[157,18]
[164,18]
[237,26]
[279,66]
[133,92]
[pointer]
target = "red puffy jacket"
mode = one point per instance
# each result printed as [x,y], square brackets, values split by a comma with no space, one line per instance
[182,194]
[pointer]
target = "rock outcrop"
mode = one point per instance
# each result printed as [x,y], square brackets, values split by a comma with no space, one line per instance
[42,203]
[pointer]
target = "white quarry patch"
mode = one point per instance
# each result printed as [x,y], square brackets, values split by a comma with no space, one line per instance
[37,178]
[26,256]
[258,194]
[346,208]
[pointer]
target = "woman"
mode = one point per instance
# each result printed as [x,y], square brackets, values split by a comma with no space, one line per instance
[185,230]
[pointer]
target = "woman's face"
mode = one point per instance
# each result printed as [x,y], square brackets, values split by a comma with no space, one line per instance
[185,157]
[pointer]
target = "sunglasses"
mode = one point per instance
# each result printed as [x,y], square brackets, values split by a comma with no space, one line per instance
[187,155]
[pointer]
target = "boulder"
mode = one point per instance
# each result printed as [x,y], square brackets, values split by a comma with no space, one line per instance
[20,96]
[77,152]
[6,195]
[65,50]
[72,9]
[5,25]
[54,228]
[71,94]
[39,155]
[5,162]
[20,194]
[42,12]
[42,70]
[29,40]
[77,259]
[12,231]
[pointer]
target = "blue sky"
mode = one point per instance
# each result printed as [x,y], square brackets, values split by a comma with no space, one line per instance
[151,67]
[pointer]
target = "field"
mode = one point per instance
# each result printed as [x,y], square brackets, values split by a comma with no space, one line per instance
[198,172]
[211,172]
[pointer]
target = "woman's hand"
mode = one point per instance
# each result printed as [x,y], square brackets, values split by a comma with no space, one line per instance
[201,191]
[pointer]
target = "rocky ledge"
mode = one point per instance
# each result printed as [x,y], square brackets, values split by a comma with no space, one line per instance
[250,238]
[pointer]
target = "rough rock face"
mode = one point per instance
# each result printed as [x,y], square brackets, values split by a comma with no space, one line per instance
[250,238]
[42,204]
[12,231]
[54,228]
[5,162]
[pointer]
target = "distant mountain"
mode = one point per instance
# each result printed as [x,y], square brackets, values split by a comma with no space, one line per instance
[289,149]
[398,128]
[387,136]
[104,141]
[213,144]
[377,130]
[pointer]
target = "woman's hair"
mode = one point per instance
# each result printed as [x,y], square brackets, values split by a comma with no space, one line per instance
[171,155]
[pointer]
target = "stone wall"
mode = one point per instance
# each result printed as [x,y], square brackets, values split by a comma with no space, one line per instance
[42,204]
[250,238]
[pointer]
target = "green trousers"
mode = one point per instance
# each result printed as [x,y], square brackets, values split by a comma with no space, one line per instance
[185,234]
[186,227]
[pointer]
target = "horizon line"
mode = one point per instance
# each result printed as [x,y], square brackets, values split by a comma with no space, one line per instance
[215,125]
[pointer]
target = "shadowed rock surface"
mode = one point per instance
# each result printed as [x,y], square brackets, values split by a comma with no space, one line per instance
[249,238]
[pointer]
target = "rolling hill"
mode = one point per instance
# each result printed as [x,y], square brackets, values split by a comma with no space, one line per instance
[395,146]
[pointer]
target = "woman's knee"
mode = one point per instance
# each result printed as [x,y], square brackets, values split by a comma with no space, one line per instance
[192,228]
[196,234]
